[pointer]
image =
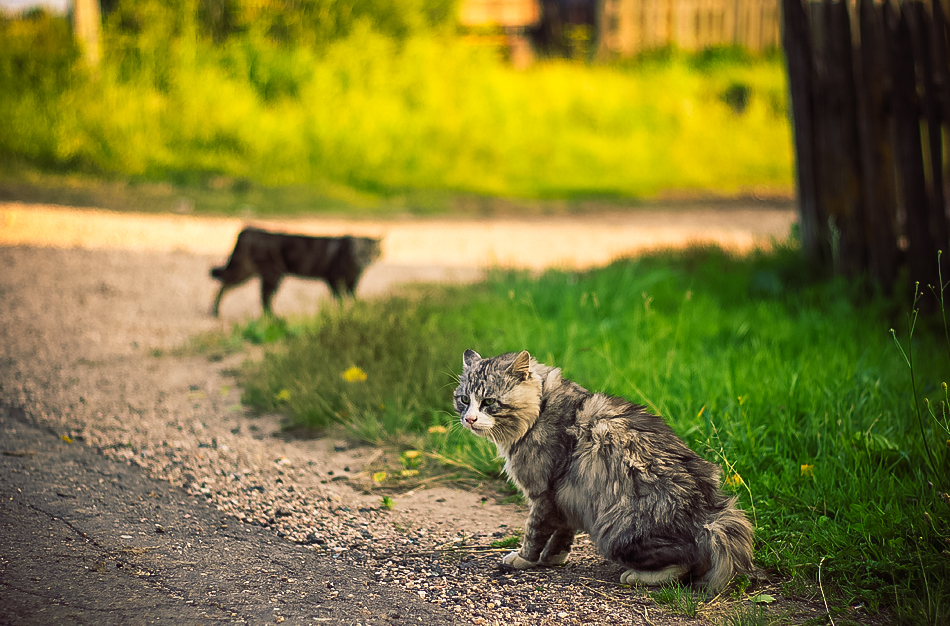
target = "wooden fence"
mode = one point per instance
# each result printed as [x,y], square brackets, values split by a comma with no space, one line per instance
[504,13]
[870,86]
[631,26]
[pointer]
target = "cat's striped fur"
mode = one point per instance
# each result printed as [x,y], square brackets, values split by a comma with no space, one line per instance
[339,261]
[592,462]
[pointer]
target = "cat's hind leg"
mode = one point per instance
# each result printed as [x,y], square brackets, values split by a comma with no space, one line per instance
[653,578]
[652,558]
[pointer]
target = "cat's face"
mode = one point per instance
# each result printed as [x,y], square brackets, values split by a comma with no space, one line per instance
[498,398]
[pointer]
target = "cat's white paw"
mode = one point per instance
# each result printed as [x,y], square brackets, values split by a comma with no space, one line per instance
[652,578]
[556,559]
[514,559]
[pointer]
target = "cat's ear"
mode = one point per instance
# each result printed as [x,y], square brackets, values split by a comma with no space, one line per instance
[520,368]
[470,358]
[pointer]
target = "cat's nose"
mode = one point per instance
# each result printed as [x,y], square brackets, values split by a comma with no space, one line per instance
[471,419]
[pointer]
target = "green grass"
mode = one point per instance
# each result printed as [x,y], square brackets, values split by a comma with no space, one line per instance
[376,122]
[749,615]
[677,599]
[792,383]
[512,541]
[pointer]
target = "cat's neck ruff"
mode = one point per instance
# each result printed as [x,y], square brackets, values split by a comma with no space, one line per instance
[541,380]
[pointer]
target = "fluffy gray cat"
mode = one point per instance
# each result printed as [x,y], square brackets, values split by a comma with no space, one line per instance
[602,464]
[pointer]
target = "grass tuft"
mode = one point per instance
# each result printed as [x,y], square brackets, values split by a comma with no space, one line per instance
[678,599]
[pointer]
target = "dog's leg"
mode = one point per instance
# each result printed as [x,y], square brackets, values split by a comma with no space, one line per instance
[215,308]
[269,285]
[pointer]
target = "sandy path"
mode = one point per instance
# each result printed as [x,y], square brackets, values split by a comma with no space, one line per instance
[534,243]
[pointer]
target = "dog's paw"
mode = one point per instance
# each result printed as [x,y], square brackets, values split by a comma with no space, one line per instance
[514,560]
[653,578]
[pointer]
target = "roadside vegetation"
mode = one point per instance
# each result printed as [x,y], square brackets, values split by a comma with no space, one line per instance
[389,108]
[793,384]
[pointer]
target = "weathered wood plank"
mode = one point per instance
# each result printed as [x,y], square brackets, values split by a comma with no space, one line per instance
[824,157]
[879,186]
[909,148]
[938,120]
[839,178]
[799,54]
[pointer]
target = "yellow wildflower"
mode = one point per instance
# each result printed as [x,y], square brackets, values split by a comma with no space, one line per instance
[807,470]
[437,430]
[354,375]
[411,458]
[734,480]
[283,395]
[379,477]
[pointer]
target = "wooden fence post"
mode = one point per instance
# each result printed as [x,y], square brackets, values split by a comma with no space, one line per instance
[796,38]
[922,29]
[87,21]
[879,188]
[838,165]
[909,150]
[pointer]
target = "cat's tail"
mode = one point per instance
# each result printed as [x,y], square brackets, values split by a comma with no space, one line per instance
[727,541]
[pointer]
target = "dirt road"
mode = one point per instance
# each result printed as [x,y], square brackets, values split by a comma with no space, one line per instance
[535,242]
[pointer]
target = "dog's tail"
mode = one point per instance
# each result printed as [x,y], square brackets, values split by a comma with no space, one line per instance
[229,273]
[727,542]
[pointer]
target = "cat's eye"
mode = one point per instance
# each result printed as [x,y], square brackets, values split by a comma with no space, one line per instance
[488,401]
[462,399]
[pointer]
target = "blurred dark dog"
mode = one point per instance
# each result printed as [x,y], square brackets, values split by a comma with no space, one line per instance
[338,261]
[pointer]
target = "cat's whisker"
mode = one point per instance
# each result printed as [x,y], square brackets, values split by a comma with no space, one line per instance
[453,382]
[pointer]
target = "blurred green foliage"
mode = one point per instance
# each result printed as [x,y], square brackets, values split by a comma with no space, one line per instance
[374,99]
[38,54]
[145,37]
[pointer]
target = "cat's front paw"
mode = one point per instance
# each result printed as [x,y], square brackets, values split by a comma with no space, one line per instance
[514,559]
